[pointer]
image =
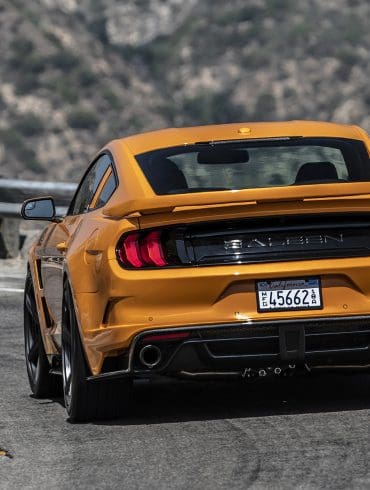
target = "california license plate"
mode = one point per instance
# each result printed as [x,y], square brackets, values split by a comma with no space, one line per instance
[289,294]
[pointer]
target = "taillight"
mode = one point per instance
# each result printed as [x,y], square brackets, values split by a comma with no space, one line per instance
[152,243]
[139,250]
[130,251]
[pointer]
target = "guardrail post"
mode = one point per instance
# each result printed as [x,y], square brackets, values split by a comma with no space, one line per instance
[9,237]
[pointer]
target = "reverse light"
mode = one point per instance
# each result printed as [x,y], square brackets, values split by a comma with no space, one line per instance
[140,250]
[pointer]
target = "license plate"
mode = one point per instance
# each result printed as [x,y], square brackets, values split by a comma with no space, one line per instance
[289,294]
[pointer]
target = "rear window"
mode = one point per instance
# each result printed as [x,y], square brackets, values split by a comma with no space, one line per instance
[261,163]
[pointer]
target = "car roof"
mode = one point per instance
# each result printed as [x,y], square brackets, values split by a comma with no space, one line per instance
[165,138]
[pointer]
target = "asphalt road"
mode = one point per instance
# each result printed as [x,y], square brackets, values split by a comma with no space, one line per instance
[286,433]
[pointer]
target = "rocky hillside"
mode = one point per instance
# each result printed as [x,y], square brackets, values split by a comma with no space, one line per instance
[76,73]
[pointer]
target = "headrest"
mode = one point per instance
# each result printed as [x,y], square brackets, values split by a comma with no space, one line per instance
[316,171]
[164,176]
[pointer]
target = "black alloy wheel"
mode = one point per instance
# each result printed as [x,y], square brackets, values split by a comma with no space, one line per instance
[42,383]
[87,400]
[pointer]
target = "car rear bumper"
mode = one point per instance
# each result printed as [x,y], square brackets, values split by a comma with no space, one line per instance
[138,302]
[242,347]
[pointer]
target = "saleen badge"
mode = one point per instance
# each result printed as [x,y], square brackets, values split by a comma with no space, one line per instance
[233,244]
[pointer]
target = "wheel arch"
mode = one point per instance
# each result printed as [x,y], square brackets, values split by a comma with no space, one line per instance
[88,353]
[34,275]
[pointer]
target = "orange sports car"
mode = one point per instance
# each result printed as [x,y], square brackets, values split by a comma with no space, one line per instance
[235,250]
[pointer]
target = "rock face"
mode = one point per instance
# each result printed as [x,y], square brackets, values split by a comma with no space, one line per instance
[75,74]
[138,23]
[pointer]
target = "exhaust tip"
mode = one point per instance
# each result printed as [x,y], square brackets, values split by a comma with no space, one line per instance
[150,356]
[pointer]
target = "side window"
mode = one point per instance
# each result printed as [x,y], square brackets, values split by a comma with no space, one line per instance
[89,185]
[108,188]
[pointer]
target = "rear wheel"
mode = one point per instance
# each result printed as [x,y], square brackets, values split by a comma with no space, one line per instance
[42,383]
[87,400]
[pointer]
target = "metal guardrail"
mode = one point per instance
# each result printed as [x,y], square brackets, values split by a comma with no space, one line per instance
[10,209]
[13,210]
[12,194]
[16,191]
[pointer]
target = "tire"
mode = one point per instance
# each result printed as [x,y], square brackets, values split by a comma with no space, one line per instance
[87,400]
[42,383]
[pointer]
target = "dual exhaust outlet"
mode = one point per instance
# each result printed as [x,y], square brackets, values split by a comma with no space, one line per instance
[150,356]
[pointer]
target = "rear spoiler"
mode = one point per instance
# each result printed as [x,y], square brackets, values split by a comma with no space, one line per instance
[246,197]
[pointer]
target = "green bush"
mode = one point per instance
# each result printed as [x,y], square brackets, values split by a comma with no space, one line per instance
[250,13]
[26,83]
[34,64]
[50,36]
[346,55]
[10,138]
[279,8]
[208,108]
[353,31]
[265,107]
[29,125]
[113,100]
[21,47]
[26,64]
[85,77]
[98,29]
[28,158]
[63,88]
[31,16]
[366,97]
[234,15]
[82,119]
[16,145]
[64,60]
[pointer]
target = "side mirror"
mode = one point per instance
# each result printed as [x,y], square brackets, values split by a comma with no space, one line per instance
[40,208]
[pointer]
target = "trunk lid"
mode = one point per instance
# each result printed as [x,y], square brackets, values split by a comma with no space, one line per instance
[155,204]
[267,229]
